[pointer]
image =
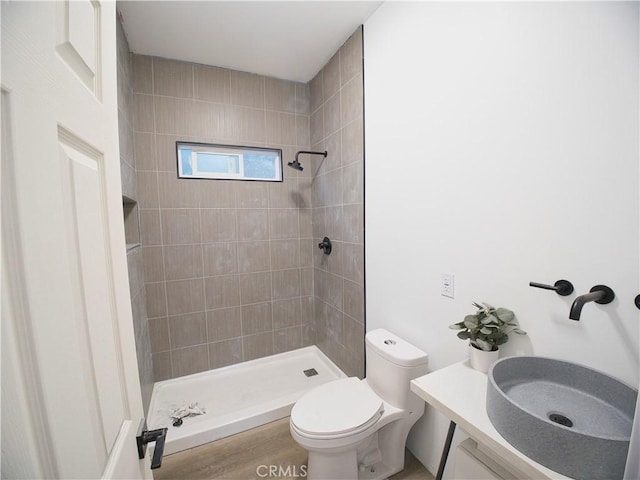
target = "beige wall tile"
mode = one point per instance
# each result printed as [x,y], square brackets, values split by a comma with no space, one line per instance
[186,361]
[228,352]
[255,287]
[331,115]
[222,292]
[217,193]
[180,226]
[334,223]
[354,263]
[353,221]
[308,335]
[166,153]
[287,339]
[286,313]
[220,259]
[223,324]
[305,216]
[212,84]
[178,192]
[162,366]
[353,181]
[353,336]
[145,151]
[302,99]
[333,194]
[306,281]
[185,296]
[144,113]
[247,89]
[147,187]
[257,318]
[352,101]
[172,78]
[136,272]
[285,254]
[286,283]
[280,95]
[333,145]
[354,300]
[280,128]
[283,223]
[128,176]
[131,223]
[273,128]
[153,264]
[257,346]
[252,194]
[142,74]
[306,308]
[156,300]
[283,194]
[174,116]
[351,56]
[183,261]
[218,225]
[331,77]
[253,257]
[253,224]
[329,288]
[302,131]
[187,330]
[254,127]
[159,334]
[352,143]
[209,121]
[150,227]
[316,93]
[316,126]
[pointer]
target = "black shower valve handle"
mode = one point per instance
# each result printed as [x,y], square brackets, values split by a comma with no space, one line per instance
[561,287]
[325,245]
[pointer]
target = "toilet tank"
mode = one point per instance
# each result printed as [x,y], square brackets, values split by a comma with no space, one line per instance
[391,365]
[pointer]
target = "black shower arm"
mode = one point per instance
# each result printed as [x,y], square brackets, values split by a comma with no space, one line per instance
[324,154]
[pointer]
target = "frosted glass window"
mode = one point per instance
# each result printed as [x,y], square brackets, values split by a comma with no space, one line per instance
[202,160]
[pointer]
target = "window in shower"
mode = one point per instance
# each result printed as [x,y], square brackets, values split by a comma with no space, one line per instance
[205,160]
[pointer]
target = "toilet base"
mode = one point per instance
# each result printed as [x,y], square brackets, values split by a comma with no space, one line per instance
[338,466]
[384,447]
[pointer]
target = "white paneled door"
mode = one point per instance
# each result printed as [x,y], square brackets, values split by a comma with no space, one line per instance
[71,402]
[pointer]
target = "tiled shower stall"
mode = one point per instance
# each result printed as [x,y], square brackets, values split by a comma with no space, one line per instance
[228,271]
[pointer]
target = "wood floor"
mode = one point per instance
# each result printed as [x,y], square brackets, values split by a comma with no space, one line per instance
[240,457]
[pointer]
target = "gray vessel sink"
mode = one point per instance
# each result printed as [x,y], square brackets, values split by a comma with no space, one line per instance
[569,418]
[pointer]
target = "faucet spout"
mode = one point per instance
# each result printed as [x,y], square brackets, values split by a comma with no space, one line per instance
[600,294]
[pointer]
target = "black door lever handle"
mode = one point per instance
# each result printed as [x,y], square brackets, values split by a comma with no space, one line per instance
[145,436]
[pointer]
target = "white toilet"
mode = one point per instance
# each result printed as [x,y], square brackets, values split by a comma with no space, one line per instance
[357,429]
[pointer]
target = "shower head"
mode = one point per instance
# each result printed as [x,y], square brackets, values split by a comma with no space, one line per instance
[295,164]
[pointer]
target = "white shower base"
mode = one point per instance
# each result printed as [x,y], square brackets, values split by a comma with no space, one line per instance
[237,397]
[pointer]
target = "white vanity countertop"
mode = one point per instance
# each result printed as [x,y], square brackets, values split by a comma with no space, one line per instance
[459,392]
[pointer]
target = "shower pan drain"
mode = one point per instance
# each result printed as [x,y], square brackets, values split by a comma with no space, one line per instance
[311,372]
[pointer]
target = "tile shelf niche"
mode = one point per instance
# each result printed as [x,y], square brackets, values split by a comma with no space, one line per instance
[131,223]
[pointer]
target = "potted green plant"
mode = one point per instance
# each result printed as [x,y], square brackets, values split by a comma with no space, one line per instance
[486,330]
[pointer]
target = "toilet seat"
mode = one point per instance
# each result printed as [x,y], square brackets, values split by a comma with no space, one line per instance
[337,409]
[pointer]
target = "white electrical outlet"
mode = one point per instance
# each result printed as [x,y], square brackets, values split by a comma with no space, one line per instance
[446,285]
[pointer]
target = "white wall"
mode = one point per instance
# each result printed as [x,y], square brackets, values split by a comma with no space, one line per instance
[502,147]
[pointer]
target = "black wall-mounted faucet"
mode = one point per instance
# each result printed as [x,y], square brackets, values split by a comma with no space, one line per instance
[600,294]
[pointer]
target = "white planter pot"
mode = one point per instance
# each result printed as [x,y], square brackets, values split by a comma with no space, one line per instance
[481,360]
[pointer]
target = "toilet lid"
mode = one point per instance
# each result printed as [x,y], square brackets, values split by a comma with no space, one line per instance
[336,408]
